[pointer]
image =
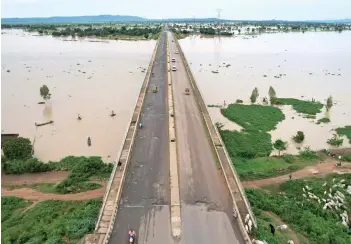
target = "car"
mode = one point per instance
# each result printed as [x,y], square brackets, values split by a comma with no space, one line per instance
[174,68]
[176,52]
[173,60]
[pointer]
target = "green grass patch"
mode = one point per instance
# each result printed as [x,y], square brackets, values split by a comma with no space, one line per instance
[48,221]
[266,167]
[254,117]
[306,217]
[346,157]
[245,144]
[345,131]
[82,170]
[301,106]
[323,120]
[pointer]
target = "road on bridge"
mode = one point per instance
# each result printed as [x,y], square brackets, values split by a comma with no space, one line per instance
[206,204]
[144,204]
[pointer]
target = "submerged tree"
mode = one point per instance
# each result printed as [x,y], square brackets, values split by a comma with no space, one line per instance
[280,145]
[329,102]
[254,95]
[272,95]
[45,92]
[299,137]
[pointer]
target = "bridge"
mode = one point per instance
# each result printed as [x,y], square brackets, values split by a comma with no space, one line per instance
[173,181]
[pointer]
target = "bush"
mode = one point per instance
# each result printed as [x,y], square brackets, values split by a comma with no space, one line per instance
[306,107]
[18,148]
[49,221]
[32,165]
[288,158]
[323,120]
[335,141]
[346,131]
[299,137]
[306,217]
[239,101]
[346,157]
[254,95]
[308,154]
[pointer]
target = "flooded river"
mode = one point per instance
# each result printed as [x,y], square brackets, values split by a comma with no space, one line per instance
[309,65]
[86,78]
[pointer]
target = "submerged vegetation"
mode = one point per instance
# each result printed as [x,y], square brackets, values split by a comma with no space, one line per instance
[345,131]
[101,30]
[302,213]
[47,221]
[323,120]
[301,106]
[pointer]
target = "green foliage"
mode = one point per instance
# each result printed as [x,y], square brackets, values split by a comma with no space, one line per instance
[272,95]
[323,120]
[288,158]
[306,107]
[44,92]
[305,217]
[247,145]
[48,221]
[335,141]
[32,165]
[308,116]
[254,95]
[254,117]
[18,148]
[329,102]
[280,145]
[346,131]
[10,204]
[239,101]
[299,137]
[346,157]
[308,154]
[265,167]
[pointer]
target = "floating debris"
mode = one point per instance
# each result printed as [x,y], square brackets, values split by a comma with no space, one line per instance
[8,71]
[228,65]
[215,71]
[264,75]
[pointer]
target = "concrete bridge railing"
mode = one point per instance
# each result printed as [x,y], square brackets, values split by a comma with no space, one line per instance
[240,200]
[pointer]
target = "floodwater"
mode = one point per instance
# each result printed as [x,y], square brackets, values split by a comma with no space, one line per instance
[89,78]
[309,65]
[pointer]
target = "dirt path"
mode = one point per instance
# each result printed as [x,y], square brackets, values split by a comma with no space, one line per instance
[324,168]
[31,194]
[29,179]
[292,233]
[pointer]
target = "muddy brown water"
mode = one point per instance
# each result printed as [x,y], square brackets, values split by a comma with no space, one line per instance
[89,78]
[312,65]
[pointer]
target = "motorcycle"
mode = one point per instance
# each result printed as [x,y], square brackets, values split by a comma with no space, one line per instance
[131,237]
[140,125]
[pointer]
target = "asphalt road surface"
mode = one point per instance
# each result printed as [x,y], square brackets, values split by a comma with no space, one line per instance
[206,205]
[145,196]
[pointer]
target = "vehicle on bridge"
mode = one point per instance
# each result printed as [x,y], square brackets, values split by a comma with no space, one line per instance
[131,236]
[174,68]
[187,91]
[173,60]
[176,52]
[155,90]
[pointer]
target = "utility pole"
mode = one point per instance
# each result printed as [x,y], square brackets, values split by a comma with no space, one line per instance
[193,24]
[219,18]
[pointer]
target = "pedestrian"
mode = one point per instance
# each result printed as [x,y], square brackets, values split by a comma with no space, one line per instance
[290,176]
[235,213]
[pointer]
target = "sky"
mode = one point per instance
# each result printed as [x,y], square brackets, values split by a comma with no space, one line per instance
[158,9]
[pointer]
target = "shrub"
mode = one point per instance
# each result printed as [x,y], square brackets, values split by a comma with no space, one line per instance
[239,101]
[49,221]
[18,148]
[299,137]
[323,120]
[307,153]
[329,102]
[32,165]
[346,157]
[288,158]
[335,141]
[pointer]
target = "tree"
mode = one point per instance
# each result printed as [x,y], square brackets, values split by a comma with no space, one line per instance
[254,95]
[279,145]
[18,148]
[329,102]
[272,95]
[44,92]
[299,137]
